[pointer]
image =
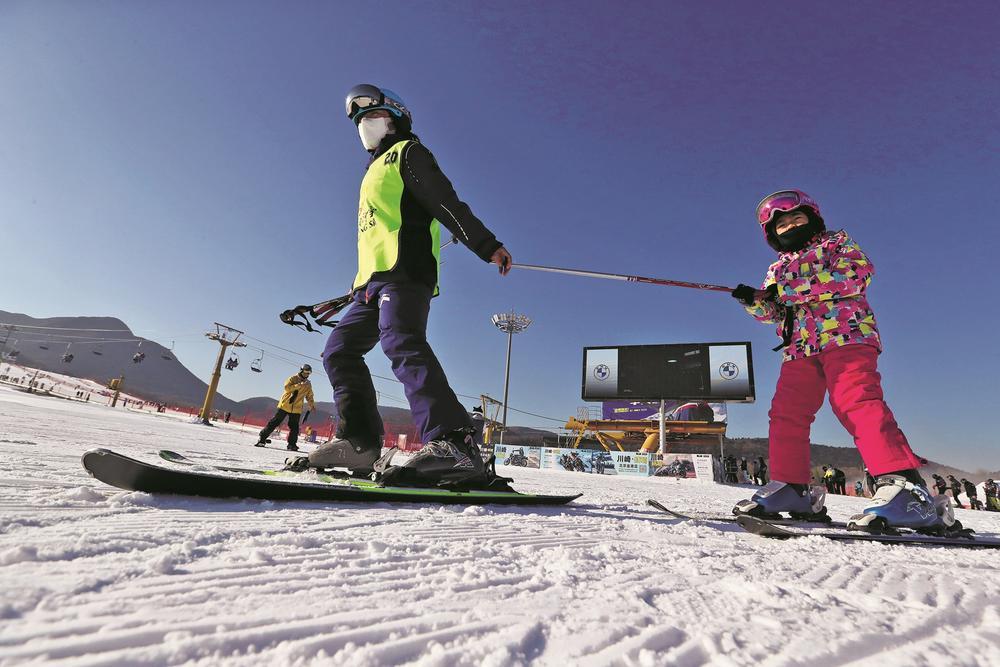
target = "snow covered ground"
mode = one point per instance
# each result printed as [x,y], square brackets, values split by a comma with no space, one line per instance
[90,575]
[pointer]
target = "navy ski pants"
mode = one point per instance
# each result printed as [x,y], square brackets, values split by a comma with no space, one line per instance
[395,315]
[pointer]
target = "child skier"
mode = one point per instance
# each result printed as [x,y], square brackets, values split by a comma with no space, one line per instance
[815,292]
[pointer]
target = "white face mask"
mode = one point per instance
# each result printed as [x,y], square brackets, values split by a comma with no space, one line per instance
[373,131]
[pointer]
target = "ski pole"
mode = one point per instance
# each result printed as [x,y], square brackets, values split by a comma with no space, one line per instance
[625,278]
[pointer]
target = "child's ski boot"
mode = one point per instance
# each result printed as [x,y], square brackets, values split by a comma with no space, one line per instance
[798,500]
[903,501]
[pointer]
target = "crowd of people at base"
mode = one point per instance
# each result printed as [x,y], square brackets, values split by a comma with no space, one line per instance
[957,486]
[741,471]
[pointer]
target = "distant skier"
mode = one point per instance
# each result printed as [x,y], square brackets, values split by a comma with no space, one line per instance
[940,485]
[405,199]
[992,496]
[479,426]
[971,494]
[839,481]
[828,479]
[859,489]
[761,471]
[731,468]
[298,390]
[815,293]
[956,489]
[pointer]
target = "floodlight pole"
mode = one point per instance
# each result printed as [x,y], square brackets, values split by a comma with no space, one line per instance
[510,323]
[221,338]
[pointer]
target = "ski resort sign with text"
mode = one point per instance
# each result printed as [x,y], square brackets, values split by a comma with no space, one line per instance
[688,371]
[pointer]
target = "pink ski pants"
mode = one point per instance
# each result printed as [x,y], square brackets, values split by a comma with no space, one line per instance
[849,373]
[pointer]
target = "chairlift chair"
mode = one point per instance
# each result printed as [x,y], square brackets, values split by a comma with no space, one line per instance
[99,350]
[43,346]
[167,356]
[232,362]
[139,354]
[255,365]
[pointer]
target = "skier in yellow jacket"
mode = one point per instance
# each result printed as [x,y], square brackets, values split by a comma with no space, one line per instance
[298,390]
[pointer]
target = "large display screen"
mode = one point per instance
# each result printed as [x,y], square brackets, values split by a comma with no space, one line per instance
[686,371]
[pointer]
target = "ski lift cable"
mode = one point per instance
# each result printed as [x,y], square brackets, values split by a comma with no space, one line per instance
[382,377]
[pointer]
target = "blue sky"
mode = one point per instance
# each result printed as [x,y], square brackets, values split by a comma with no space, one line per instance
[179,163]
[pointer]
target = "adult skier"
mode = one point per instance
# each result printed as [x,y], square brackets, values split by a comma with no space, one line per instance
[956,489]
[971,494]
[992,496]
[405,199]
[297,391]
[815,293]
[939,484]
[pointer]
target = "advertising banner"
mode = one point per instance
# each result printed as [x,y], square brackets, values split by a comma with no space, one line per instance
[516,455]
[633,463]
[598,462]
[674,465]
[674,410]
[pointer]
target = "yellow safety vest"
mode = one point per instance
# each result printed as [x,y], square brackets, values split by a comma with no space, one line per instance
[380,217]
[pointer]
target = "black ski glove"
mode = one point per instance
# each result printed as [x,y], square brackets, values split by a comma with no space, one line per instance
[748,295]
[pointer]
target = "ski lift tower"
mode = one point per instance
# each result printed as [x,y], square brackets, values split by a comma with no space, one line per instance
[509,323]
[3,347]
[226,337]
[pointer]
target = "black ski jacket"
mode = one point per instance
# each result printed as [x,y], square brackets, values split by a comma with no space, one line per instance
[428,194]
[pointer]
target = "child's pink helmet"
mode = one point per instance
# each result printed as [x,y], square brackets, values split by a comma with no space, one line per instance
[783,201]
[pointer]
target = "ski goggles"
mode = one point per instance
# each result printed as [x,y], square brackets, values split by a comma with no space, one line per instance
[367,97]
[783,201]
[361,98]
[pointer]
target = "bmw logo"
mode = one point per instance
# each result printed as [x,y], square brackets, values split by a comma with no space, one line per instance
[602,372]
[729,370]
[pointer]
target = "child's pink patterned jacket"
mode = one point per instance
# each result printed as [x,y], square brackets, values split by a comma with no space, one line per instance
[825,285]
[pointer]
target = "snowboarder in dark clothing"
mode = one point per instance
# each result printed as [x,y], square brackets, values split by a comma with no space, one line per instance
[731,467]
[956,488]
[972,494]
[405,200]
[940,485]
[839,481]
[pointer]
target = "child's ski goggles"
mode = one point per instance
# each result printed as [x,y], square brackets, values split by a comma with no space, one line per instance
[782,202]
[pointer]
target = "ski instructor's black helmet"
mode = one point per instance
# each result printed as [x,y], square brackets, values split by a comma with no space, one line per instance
[366,97]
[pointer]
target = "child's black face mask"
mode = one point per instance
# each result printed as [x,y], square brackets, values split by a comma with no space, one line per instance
[796,238]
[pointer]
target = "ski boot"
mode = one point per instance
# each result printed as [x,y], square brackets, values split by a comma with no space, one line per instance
[343,453]
[292,448]
[799,500]
[453,462]
[261,442]
[902,500]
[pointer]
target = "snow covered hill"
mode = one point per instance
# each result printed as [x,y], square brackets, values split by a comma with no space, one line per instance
[90,575]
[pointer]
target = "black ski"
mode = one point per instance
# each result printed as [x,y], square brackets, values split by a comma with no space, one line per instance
[133,475]
[180,459]
[769,529]
[732,518]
